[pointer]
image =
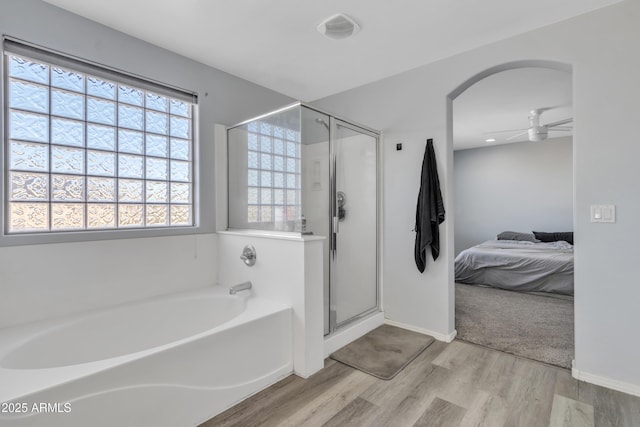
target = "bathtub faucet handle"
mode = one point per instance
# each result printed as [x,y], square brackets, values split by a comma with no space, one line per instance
[248,255]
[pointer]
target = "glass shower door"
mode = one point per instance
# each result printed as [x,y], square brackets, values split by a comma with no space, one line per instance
[354,269]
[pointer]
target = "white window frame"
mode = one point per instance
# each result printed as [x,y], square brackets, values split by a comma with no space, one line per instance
[21,49]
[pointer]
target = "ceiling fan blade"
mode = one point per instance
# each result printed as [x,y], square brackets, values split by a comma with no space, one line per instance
[506,131]
[517,135]
[559,122]
[561,128]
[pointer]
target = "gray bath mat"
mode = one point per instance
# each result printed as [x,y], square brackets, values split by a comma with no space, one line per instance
[383,352]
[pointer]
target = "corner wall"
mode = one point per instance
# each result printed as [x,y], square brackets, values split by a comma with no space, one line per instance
[601,47]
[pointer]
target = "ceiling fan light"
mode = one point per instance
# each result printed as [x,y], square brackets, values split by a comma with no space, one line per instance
[338,26]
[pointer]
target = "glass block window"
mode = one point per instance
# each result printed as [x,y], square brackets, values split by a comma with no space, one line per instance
[89,150]
[273,176]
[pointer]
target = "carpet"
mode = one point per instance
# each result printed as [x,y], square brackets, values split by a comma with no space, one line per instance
[532,326]
[383,352]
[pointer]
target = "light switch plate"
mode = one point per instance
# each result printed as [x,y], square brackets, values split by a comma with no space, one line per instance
[603,213]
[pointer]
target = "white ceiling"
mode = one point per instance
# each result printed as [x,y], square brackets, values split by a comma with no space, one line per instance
[503,101]
[275,43]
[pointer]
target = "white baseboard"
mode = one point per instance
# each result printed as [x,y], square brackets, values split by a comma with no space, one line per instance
[437,335]
[632,389]
[351,333]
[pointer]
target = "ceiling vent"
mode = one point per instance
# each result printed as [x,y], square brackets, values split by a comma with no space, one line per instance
[338,27]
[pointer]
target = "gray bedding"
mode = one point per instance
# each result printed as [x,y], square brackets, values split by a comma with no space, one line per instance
[518,266]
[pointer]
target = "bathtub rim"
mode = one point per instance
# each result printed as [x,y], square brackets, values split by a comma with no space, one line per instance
[33,331]
[25,382]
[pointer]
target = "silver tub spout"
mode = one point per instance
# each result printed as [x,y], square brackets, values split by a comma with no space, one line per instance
[244,286]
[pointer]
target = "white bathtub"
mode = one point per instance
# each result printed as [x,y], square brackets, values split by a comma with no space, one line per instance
[171,361]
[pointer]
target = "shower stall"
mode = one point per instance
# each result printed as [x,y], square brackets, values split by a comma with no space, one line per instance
[300,170]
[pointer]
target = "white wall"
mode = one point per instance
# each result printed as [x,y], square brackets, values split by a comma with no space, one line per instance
[602,48]
[522,187]
[40,280]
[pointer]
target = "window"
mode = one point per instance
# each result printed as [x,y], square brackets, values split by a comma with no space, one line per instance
[93,149]
[273,175]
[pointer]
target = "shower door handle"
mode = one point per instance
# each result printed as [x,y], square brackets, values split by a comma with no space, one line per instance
[341,200]
[334,234]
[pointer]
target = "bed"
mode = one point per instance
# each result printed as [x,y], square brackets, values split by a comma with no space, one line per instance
[518,266]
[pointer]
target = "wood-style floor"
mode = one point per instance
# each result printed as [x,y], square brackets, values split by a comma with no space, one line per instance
[456,384]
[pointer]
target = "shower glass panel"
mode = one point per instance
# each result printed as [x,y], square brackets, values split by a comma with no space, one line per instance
[301,170]
[354,289]
[265,173]
[316,187]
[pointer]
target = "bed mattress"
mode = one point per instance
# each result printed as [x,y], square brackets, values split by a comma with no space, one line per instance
[518,266]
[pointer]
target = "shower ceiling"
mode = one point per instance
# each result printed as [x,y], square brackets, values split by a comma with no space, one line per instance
[275,43]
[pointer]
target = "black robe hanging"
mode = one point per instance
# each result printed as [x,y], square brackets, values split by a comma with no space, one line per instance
[430,210]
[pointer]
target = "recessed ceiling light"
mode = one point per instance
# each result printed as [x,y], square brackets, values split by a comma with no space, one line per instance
[490,140]
[338,26]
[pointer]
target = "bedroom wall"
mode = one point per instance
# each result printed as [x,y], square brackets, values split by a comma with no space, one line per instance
[523,187]
[42,280]
[601,47]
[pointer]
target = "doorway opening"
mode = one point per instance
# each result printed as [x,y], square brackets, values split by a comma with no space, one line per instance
[513,176]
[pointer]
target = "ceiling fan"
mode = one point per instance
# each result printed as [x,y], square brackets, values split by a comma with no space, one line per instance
[539,132]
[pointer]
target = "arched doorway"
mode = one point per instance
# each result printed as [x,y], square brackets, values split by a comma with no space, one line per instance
[492,195]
